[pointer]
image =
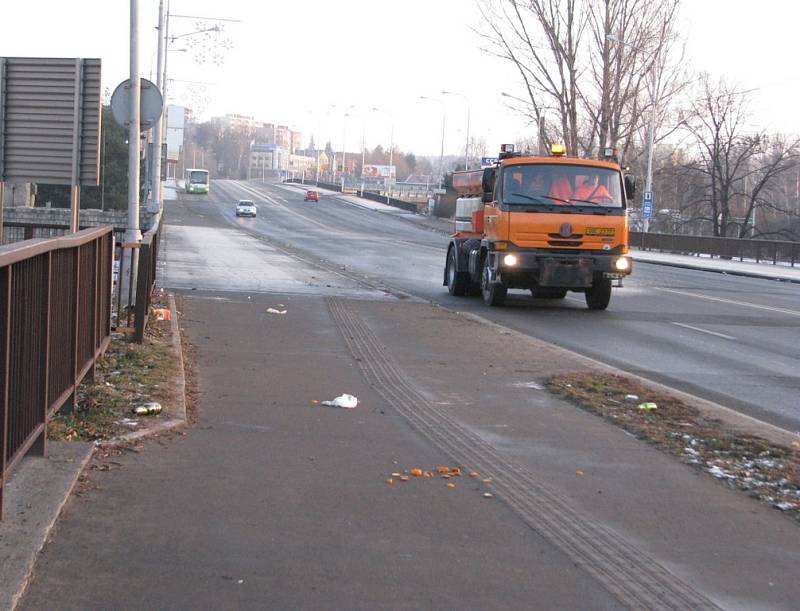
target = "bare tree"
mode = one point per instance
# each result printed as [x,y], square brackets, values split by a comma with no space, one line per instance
[542,39]
[589,63]
[739,167]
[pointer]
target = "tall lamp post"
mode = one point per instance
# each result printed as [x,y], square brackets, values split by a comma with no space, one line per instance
[391,152]
[466,148]
[344,141]
[164,40]
[441,151]
[653,86]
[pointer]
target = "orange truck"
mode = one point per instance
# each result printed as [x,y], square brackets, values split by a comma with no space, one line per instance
[547,224]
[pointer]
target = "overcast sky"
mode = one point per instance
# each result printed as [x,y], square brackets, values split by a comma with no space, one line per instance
[305,63]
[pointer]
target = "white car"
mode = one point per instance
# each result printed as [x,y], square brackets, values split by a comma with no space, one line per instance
[246,207]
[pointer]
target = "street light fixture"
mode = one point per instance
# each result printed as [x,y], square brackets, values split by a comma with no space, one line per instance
[652,90]
[441,151]
[466,148]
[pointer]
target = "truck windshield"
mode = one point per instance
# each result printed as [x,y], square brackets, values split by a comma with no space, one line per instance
[561,185]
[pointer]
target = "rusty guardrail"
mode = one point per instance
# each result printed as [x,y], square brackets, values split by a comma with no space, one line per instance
[146,277]
[55,322]
[774,251]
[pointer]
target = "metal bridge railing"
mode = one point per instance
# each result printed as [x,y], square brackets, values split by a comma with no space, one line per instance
[773,251]
[55,322]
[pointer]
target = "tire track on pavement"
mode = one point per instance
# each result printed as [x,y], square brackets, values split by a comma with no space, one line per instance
[637,580]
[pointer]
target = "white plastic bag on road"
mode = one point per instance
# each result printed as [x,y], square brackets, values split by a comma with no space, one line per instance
[346,401]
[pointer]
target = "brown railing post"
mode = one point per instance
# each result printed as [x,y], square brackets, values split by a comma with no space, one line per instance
[72,402]
[120,276]
[5,361]
[39,446]
[96,310]
[143,286]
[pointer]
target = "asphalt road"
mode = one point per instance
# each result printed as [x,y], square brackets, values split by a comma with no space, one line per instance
[729,339]
[273,501]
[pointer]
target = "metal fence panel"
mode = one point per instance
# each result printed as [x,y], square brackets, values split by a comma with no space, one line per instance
[55,303]
[773,251]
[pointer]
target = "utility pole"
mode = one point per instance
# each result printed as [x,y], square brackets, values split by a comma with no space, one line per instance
[158,129]
[132,233]
[134,144]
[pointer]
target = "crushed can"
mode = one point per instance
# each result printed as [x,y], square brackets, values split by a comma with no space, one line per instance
[148,409]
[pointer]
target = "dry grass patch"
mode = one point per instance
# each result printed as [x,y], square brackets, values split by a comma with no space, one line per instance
[768,472]
[128,375]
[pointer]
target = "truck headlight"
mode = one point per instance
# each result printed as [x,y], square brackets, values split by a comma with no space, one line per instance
[622,264]
[510,260]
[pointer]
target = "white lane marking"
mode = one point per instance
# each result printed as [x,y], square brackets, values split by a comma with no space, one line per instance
[722,335]
[745,304]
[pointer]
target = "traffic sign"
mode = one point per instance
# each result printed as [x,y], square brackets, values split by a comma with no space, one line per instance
[487,162]
[648,196]
[647,210]
[150,104]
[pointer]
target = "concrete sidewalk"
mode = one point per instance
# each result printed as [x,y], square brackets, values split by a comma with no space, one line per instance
[275,501]
[748,269]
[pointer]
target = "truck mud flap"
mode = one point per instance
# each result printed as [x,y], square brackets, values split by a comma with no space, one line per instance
[566,272]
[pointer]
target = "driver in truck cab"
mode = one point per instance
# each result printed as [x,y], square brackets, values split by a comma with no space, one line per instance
[592,190]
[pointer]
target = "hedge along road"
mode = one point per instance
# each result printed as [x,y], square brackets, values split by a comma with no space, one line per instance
[728,339]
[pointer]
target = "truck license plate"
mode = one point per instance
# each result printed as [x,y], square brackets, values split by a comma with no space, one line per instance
[606,231]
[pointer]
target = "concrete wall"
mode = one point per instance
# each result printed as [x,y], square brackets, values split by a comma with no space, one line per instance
[32,217]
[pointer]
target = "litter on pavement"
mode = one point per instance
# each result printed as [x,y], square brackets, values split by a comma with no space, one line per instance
[632,398]
[162,314]
[274,311]
[648,406]
[345,401]
[148,409]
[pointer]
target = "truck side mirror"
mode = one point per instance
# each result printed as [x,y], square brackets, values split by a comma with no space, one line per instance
[630,187]
[487,182]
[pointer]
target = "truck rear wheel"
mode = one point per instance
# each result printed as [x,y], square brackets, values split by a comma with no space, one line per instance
[599,294]
[457,282]
[494,293]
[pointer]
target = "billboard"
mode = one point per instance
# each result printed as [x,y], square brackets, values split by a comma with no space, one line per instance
[50,120]
[378,172]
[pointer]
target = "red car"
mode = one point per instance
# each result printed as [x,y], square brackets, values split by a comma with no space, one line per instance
[311,196]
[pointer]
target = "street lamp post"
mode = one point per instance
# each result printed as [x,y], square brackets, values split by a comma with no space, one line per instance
[344,141]
[466,148]
[441,151]
[652,90]
[391,153]
[540,144]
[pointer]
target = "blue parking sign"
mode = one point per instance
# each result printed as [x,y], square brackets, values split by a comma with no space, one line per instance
[647,205]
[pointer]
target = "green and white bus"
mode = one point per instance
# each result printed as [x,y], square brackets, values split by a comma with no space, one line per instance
[196,180]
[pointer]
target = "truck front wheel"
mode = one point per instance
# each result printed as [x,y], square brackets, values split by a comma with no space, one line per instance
[494,293]
[599,294]
[457,282]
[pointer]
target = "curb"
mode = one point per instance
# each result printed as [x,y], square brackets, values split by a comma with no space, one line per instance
[15,596]
[730,417]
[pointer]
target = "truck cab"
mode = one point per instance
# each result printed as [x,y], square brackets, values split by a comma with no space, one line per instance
[548,224]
